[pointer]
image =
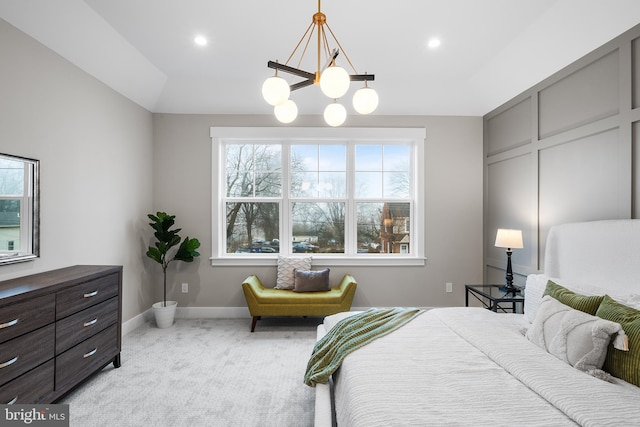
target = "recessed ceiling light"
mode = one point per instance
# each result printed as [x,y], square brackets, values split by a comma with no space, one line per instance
[200,40]
[433,43]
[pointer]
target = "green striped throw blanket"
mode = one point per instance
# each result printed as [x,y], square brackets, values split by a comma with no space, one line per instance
[350,334]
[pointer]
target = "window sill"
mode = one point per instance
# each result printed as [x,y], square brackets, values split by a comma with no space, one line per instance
[320,261]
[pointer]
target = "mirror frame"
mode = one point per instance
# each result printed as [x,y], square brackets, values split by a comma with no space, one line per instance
[34,200]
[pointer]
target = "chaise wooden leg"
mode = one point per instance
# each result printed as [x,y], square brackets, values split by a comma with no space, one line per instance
[253,323]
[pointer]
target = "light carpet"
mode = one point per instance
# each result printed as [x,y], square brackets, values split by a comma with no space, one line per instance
[204,372]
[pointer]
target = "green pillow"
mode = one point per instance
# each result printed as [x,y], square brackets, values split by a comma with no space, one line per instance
[623,364]
[576,301]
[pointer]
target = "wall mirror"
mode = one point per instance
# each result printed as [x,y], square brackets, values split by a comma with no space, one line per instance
[19,209]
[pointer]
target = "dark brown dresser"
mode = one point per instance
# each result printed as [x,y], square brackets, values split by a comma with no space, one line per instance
[56,329]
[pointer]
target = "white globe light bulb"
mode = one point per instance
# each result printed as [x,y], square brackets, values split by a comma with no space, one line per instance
[335,114]
[365,100]
[334,82]
[275,90]
[286,112]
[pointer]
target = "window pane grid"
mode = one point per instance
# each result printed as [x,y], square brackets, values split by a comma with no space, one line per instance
[253,170]
[383,171]
[318,170]
[12,175]
[311,204]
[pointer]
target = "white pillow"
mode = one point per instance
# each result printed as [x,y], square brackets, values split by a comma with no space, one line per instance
[573,336]
[286,265]
[534,288]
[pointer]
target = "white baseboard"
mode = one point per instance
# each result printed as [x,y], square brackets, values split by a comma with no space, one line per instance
[201,313]
[135,322]
[212,313]
[188,313]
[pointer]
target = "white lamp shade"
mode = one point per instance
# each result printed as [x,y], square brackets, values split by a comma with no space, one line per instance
[365,100]
[508,238]
[334,82]
[275,90]
[335,114]
[286,112]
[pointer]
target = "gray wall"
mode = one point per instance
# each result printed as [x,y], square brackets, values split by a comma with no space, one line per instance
[106,163]
[453,191]
[564,151]
[95,149]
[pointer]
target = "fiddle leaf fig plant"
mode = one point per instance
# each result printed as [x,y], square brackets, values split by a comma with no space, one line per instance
[166,239]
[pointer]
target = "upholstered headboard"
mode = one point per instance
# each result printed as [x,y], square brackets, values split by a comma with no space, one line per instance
[602,254]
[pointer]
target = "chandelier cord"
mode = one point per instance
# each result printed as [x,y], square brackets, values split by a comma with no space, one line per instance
[321,36]
[300,41]
[341,49]
[306,46]
[327,49]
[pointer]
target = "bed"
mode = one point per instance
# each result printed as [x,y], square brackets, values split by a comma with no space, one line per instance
[471,366]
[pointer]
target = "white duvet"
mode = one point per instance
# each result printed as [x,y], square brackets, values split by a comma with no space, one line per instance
[472,367]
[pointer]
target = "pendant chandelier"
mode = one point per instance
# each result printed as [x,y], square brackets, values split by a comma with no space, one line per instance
[334,81]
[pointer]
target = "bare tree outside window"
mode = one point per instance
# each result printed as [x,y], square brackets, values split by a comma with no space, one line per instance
[318,172]
[253,171]
[328,185]
[318,227]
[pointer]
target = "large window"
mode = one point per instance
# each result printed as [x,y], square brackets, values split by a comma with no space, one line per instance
[350,194]
[18,209]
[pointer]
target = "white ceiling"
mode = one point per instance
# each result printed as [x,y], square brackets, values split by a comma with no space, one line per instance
[491,49]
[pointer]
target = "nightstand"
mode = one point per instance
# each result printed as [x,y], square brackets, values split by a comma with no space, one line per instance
[494,297]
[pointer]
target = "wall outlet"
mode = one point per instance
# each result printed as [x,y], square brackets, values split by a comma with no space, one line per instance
[449,287]
[185,288]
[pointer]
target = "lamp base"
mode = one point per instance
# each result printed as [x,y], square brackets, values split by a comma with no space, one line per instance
[509,288]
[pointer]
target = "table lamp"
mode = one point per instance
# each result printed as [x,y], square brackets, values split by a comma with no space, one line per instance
[510,239]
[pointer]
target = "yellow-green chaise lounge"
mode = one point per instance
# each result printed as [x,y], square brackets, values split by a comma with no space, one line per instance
[263,301]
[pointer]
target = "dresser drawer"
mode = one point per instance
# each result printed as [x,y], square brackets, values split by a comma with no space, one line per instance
[30,387]
[24,316]
[25,352]
[75,364]
[80,326]
[79,297]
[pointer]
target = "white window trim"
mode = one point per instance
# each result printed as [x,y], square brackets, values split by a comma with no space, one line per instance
[219,258]
[26,244]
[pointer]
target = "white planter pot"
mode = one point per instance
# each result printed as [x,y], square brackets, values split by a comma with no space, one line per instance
[164,315]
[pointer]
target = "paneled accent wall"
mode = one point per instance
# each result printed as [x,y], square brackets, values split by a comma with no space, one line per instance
[565,150]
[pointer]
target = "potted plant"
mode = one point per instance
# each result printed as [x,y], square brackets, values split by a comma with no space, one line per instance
[166,239]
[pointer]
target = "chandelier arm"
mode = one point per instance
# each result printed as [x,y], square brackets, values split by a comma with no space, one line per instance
[341,48]
[362,77]
[327,50]
[306,45]
[319,24]
[301,84]
[300,41]
[334,54]
[290,70]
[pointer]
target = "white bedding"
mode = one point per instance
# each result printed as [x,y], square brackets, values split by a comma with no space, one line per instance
[472,367]
[467,366]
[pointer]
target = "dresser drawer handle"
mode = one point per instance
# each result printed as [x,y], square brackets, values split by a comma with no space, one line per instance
[92,322]
[91,294]
[9,362]
[6,325]
[91,353]
[12,401]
